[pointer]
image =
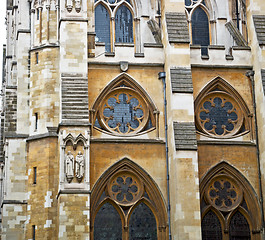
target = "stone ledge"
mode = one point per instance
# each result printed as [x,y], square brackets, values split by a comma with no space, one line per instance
[218,142]
[129,63]
[126,140]
[221,66]
[40,136]
[73,191]
[14,202]
[75,123]
[15,135]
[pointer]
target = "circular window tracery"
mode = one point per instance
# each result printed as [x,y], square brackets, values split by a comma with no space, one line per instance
[224,194]
[123,111]
[219,115]
[125,188]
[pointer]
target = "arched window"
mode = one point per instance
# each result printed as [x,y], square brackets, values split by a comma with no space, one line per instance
[113,14]
[220,112]
[239,227]
[196,11]
[126,204]
[211,227]
[229,206]
[123,25]
[102,25]
[142,223]
[107,223]
[200,27]
[124,109]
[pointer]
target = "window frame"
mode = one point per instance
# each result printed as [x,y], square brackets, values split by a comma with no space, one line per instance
[112,15]
[249,198]
[154,201]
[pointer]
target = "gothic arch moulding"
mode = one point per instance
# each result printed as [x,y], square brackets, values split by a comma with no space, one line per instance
[124,108]
[127,195]
[230,202]
[220,111]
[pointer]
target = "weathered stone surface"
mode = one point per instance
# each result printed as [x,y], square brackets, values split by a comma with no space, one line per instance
[259,22]
[177,27]
[185,136]
[74,99]
[181,80]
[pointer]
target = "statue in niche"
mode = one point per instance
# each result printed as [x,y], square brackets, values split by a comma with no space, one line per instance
[69,166]
[79,166]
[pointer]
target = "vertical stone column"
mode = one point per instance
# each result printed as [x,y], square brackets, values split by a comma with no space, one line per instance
[74,190]
[182,146]
[256,27]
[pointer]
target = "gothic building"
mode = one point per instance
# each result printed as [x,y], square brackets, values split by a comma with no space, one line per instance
[129,120]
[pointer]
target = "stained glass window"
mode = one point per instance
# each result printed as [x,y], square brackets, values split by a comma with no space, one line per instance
[142,224]
[102,25]
[220,115]
[123,25]
[107,224]
[123,112]
[200,27]
[239,227]
[123,22]
[211,227]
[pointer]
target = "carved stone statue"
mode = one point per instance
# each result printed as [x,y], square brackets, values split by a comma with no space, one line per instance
[79,165]
[69,166]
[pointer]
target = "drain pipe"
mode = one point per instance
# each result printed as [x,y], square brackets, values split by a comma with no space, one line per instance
[250,75]
[162,76]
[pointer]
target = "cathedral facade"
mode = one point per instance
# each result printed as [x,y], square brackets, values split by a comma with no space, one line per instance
[132,120]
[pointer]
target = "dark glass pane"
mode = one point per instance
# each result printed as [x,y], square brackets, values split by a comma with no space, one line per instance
[107,225]
[200,28]
[211,227]
[123,25]
[123,113]
[142,224]
[102,25]
[187,2]
[239,228]
[225,194]
[219,116]
[124,189]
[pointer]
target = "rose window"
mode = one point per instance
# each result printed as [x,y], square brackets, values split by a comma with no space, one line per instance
[224,194]
[125,189]
[219,115]
[123,111]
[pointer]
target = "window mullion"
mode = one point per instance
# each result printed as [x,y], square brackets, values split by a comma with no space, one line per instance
[112,33]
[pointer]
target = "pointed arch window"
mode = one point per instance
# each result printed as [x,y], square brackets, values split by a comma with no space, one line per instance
[114,20]
[124,109]
[196,11]
[220,112]
[126,195]
[229,206]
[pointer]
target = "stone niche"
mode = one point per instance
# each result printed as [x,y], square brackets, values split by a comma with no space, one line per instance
[74,161]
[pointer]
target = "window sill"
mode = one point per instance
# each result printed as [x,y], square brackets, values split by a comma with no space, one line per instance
[124,45]
[110,54]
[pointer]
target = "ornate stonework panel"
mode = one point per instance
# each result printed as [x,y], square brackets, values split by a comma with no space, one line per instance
[124,109]
[220,112]
[125,188]
[224,193]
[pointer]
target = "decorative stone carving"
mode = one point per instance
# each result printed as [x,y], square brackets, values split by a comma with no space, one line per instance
[69,166]
[79,166]
[69,5]
[78,5]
